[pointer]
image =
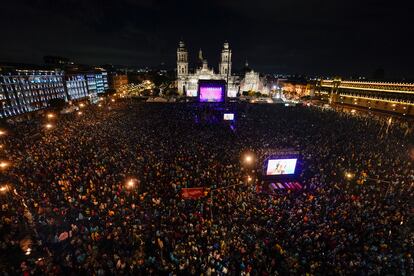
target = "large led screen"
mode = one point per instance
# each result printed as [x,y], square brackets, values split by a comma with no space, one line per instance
[281,166]
[211,94]
[228,116]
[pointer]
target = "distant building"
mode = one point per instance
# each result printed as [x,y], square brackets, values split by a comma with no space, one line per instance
[56,60]
[26,89]
[384,96]
[295,89]
[117,82]
[187,82]
[252,82]
[76,86]
[23,91]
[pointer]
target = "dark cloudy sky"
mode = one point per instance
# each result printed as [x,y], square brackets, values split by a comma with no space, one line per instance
[280,36]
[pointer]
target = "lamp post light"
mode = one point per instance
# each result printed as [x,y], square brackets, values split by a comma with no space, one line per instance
[4,189]
[349,175]
[248,159]
[2,132]
[132,183]
[49,126]
[4,164]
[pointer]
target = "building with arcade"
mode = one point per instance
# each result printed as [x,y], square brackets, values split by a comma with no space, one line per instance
[384,96]
[187,82]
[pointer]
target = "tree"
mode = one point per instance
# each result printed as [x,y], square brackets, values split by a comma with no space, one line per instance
[245,93]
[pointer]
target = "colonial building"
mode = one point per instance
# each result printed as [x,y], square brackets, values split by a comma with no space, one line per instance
[252,82]
[118,82]
[23,91]
[187,82]
[384,96]
[27,89]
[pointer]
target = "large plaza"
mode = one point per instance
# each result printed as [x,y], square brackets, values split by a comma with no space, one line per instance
[99,191]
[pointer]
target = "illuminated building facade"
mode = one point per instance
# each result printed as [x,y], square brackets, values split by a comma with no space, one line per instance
[252,82]
[187,83]
[384,96]
[97,83]
[118,82]
[76,87]
[23,91]
[294,89]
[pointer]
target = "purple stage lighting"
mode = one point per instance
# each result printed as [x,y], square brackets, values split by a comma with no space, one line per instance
[211,94]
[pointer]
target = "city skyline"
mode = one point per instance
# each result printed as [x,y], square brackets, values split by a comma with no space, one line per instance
[274,36]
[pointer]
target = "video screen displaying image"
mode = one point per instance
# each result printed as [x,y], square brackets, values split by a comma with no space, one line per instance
[281,166]
[228,116]
[211,94]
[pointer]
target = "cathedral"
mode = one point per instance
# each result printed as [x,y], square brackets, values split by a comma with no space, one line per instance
[187,82]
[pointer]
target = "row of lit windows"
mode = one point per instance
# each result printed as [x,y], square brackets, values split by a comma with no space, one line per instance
[40,89]
[6,80]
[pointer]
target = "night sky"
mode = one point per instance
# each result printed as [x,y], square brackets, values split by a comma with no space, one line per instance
[290,36]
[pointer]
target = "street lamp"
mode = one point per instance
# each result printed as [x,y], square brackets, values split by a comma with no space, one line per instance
[349,175]
[48,126]
[81,105]
[248,158]
[131,183]
[2,132]
[80,113]
[4,164]
[4,189]
[50,115]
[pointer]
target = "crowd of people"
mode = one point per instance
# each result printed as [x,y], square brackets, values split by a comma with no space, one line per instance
[99,193]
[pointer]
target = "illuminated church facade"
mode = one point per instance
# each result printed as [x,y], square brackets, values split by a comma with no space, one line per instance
[187,82]
[252,82]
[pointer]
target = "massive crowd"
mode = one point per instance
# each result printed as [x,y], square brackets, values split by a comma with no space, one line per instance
[70,211]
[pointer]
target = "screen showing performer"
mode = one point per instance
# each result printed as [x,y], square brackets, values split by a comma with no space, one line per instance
[281,166]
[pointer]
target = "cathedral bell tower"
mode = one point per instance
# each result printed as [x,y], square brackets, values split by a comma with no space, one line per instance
[182,60]
[225,63]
